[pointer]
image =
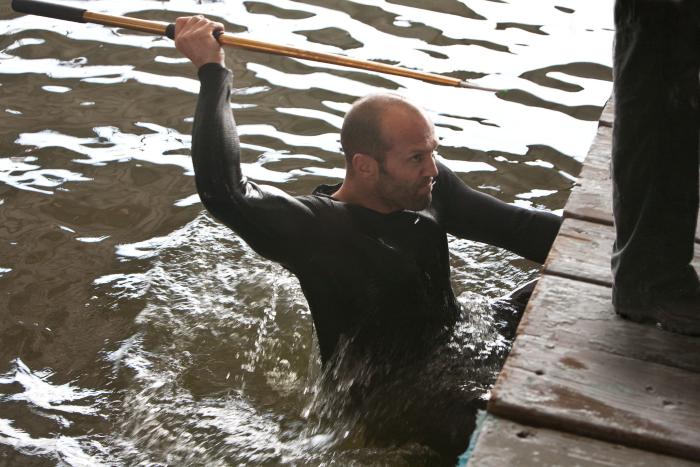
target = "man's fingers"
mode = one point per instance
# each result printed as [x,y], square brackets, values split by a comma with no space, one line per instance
[179,24]
[217,30]
[192,24]
[206,27]
[185,25]
[195,38]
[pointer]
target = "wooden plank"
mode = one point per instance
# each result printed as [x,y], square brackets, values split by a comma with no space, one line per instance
[577,367]
[506,443]
[608,116]
[582,251]
[573,314]
[591,201]
[598,156]
[591,198]
[604,396]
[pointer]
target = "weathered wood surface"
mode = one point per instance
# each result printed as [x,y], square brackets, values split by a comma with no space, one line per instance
[580,315]
[504,443]
[608,115]
[582,251]
[577,367]
[591,199]
[600,395]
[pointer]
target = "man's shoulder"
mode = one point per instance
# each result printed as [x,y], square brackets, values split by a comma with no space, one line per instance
[443,169]
[319,203]
[444,181]
[315,201]
[321,199]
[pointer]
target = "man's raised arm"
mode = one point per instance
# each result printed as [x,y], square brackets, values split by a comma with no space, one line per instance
[268,219]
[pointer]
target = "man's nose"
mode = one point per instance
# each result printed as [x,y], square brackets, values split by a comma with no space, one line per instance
[431,169]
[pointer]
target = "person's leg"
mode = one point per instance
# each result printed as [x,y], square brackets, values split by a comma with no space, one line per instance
[655,156]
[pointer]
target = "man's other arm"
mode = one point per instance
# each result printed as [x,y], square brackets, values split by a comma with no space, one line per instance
[467,213]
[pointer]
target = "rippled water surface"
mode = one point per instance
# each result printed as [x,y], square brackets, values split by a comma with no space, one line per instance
[136,330]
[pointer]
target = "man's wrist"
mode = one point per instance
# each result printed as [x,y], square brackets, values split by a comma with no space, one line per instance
[210,70]
[218,64]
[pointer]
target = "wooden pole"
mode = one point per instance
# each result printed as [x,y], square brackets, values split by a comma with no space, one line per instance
[134,24]
[157,27]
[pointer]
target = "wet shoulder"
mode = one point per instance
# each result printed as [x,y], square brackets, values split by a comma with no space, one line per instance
[443,191]
[327,211]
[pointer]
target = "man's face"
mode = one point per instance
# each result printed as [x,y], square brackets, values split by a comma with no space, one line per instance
[406,173]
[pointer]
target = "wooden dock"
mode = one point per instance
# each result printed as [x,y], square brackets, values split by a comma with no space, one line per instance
[582,386]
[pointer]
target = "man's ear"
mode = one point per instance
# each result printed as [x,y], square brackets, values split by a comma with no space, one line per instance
[364,165]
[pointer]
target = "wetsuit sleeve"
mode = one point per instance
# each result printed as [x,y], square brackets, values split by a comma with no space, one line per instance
[269,220]
[467,213]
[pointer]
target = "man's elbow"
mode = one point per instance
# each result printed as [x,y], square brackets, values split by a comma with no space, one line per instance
[547,227]
[219,209]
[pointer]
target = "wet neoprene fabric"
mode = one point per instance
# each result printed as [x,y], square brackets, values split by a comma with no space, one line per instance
[378,279]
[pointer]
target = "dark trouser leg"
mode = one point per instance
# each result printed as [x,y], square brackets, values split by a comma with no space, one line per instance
[655,149]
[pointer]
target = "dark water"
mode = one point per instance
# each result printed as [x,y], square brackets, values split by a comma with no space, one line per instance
[134,329]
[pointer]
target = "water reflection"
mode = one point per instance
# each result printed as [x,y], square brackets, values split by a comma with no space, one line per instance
[30,397]
[136,330]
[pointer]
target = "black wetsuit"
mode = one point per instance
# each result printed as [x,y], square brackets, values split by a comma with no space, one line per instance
[379,279]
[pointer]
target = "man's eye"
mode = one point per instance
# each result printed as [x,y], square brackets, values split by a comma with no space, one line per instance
[416,157]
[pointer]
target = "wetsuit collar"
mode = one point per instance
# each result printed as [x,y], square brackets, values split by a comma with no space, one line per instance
[327,190]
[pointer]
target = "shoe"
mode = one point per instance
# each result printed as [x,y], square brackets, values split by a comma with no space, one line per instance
[680,315]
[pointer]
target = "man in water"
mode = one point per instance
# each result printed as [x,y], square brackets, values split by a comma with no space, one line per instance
[370,254]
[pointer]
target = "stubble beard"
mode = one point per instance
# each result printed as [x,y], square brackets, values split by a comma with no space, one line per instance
[397,194]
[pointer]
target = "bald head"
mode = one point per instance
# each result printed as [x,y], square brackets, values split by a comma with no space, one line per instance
[363,127]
